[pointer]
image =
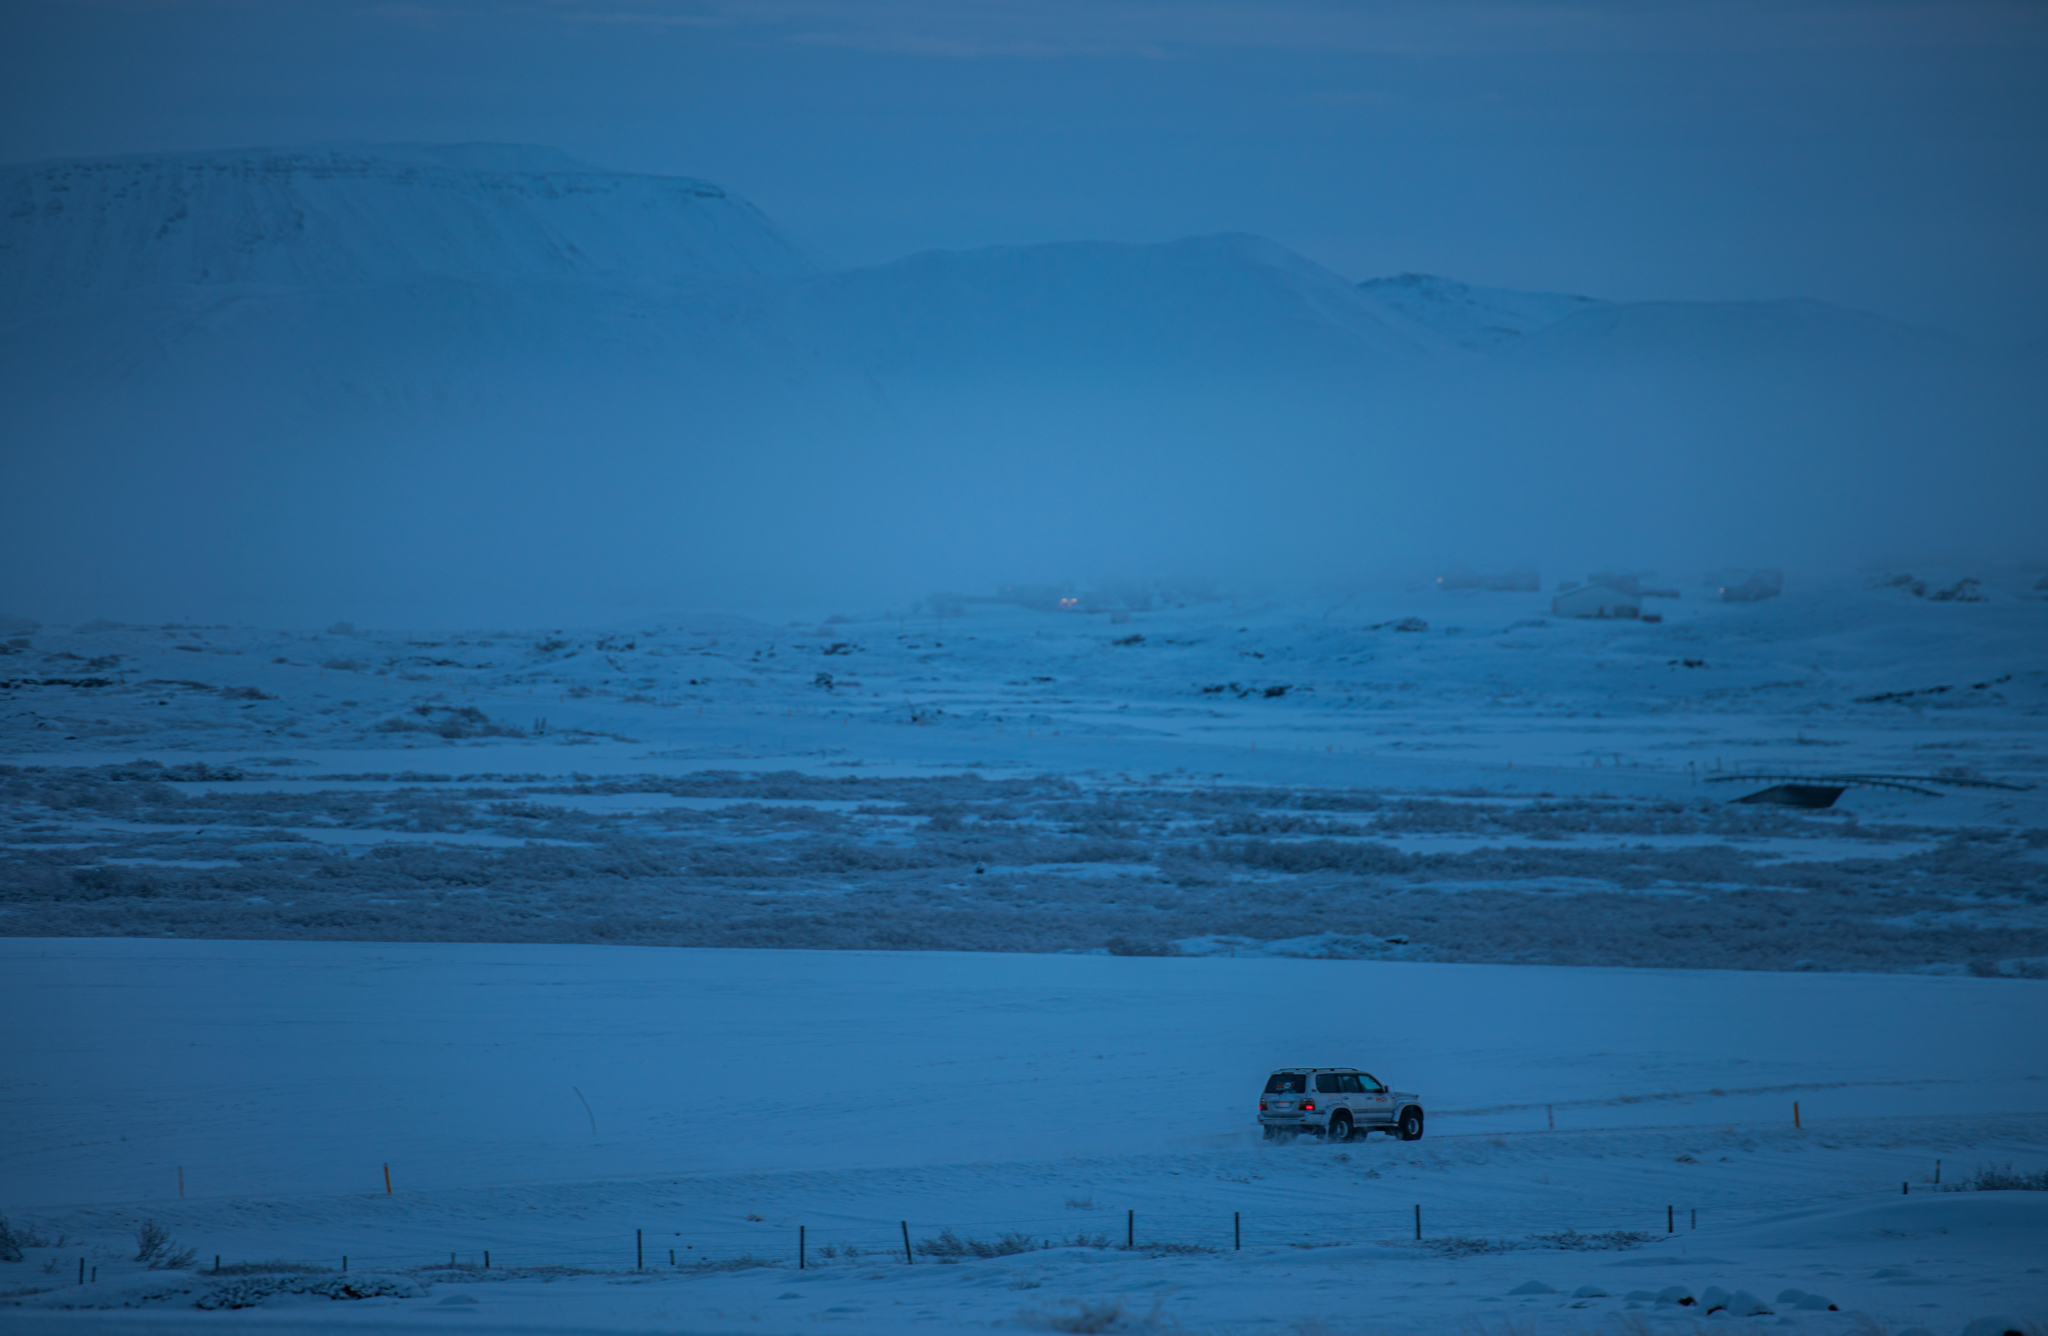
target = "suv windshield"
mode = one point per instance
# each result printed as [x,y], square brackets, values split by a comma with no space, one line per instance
[1287,1083]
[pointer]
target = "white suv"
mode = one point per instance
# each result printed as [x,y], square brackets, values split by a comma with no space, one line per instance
[1339,1103]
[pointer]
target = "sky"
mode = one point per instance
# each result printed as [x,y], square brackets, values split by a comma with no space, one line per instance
[1885,156]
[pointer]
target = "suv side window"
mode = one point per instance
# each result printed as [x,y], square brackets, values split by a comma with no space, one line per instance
[1349,1085]
[1372,1087]
[1287,1083]
[1328,1083]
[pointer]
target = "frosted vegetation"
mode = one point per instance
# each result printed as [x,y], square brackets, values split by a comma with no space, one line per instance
[959,862]
[1192,777]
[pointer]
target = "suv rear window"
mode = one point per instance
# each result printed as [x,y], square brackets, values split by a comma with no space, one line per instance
[1287,1083]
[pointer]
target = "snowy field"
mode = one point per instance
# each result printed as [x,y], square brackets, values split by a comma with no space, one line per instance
[1187,774]
[544,1103]
[1025,903]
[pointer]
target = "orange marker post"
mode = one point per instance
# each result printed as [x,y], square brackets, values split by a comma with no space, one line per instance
[1795,1113]
[387,1179]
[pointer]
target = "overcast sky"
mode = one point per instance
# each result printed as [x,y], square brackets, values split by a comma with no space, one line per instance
[1885,156]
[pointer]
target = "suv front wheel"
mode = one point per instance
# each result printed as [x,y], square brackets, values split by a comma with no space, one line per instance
[1411,1124]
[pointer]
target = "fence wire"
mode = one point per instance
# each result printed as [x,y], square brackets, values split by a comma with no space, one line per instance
[870,1241]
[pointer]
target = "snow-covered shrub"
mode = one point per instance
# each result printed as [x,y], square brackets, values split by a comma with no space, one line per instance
[950,1247]
[155,1246]
[276,1266]
[1084,1318]
[13,1239]
[1991,1179]
[252,1291]
[1613,1240]
[710,1265]
[1461,1245]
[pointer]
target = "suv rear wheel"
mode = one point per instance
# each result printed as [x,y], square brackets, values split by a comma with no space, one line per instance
[1411,1124]
[1340,1127]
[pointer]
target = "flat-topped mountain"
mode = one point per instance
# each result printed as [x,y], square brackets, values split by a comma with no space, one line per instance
[358,217]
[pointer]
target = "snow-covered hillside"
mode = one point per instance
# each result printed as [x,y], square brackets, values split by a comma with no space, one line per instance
[1447,313]
[359,217]
[1235,306]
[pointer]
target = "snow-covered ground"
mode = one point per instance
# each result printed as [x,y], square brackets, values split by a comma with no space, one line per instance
[544,1103]
[1086,876]
[1196,774]
[1027,890]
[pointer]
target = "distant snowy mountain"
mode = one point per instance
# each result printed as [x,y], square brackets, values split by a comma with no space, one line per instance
[1443,312]
[357,217]
[1446,316]
[435,370]
[1229,303]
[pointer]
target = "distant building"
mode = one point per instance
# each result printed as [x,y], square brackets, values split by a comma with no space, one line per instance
[1753,586]
[1595,600]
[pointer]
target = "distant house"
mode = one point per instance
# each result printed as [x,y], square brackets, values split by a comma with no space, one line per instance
[1595,600]
[1753,586]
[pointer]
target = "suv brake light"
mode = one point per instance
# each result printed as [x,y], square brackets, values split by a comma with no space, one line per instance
[1308,1106]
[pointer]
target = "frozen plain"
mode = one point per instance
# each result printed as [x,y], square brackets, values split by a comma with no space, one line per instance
[1229,776]
[543,1101]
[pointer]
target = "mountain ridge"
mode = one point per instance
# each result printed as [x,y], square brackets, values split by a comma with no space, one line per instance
[470,365]
[337,217]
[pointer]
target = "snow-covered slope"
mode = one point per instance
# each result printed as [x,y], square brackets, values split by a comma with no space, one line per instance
[357,217]
[1448,314]
[1239,301]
